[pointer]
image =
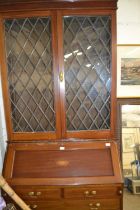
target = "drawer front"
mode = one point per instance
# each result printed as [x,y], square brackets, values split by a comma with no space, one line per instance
[96,204]
[51,205]
[38,193]
[92,192]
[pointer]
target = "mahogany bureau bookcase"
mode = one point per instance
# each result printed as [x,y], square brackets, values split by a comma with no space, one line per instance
[58,70]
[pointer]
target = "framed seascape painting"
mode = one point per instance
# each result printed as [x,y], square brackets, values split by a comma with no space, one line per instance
[128,71]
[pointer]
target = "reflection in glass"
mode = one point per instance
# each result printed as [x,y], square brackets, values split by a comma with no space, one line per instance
[87,64]
[130,137]
[29,63]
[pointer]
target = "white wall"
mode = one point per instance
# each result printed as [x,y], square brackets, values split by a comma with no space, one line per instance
[1,150]
[128,22]
[3,134]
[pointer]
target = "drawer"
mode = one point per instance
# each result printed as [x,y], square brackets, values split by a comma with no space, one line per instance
[96,204]
[38,193]
[51,205]
[92,192]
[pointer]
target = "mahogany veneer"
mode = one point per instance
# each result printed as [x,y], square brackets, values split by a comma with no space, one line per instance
[72,175]
[27,5]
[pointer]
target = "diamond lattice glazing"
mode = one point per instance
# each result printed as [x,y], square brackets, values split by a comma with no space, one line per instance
[29,63]
[87,64]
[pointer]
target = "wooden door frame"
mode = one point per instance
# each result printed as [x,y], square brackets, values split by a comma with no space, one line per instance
[105,134]
[96,134]
[120,102]
[7,106]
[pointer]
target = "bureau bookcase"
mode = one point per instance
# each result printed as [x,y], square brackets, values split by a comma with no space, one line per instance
[58,70]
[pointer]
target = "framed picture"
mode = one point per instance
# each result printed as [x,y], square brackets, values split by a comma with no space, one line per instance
[130,137]
[128,71]
[130,115]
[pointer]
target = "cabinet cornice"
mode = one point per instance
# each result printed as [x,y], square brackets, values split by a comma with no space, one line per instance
[24,5]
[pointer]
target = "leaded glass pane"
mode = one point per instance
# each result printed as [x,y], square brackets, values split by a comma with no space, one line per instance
[30,76]
[87,64]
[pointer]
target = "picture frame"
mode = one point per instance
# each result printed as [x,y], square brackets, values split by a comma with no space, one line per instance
[128,71]
[130,136]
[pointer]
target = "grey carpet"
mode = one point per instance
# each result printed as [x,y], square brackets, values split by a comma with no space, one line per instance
[131,201]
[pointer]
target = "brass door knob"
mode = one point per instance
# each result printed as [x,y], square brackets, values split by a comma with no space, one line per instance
[38,193]
[120,192]
[86,193]
[93,192]
[31,193]
[61,76]
[98,204]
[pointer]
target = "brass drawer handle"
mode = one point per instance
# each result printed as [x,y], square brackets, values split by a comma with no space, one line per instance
[90,204]
[34,193]
[86,193]
[98,204]
[120,192]
[31,193]
[38,193]
[93,192]
[94,208]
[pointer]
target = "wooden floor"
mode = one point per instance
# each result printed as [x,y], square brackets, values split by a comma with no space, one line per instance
[131,201]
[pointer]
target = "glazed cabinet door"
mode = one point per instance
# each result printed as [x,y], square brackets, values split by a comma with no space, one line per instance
[32,77]
[87,63]
[61,74]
